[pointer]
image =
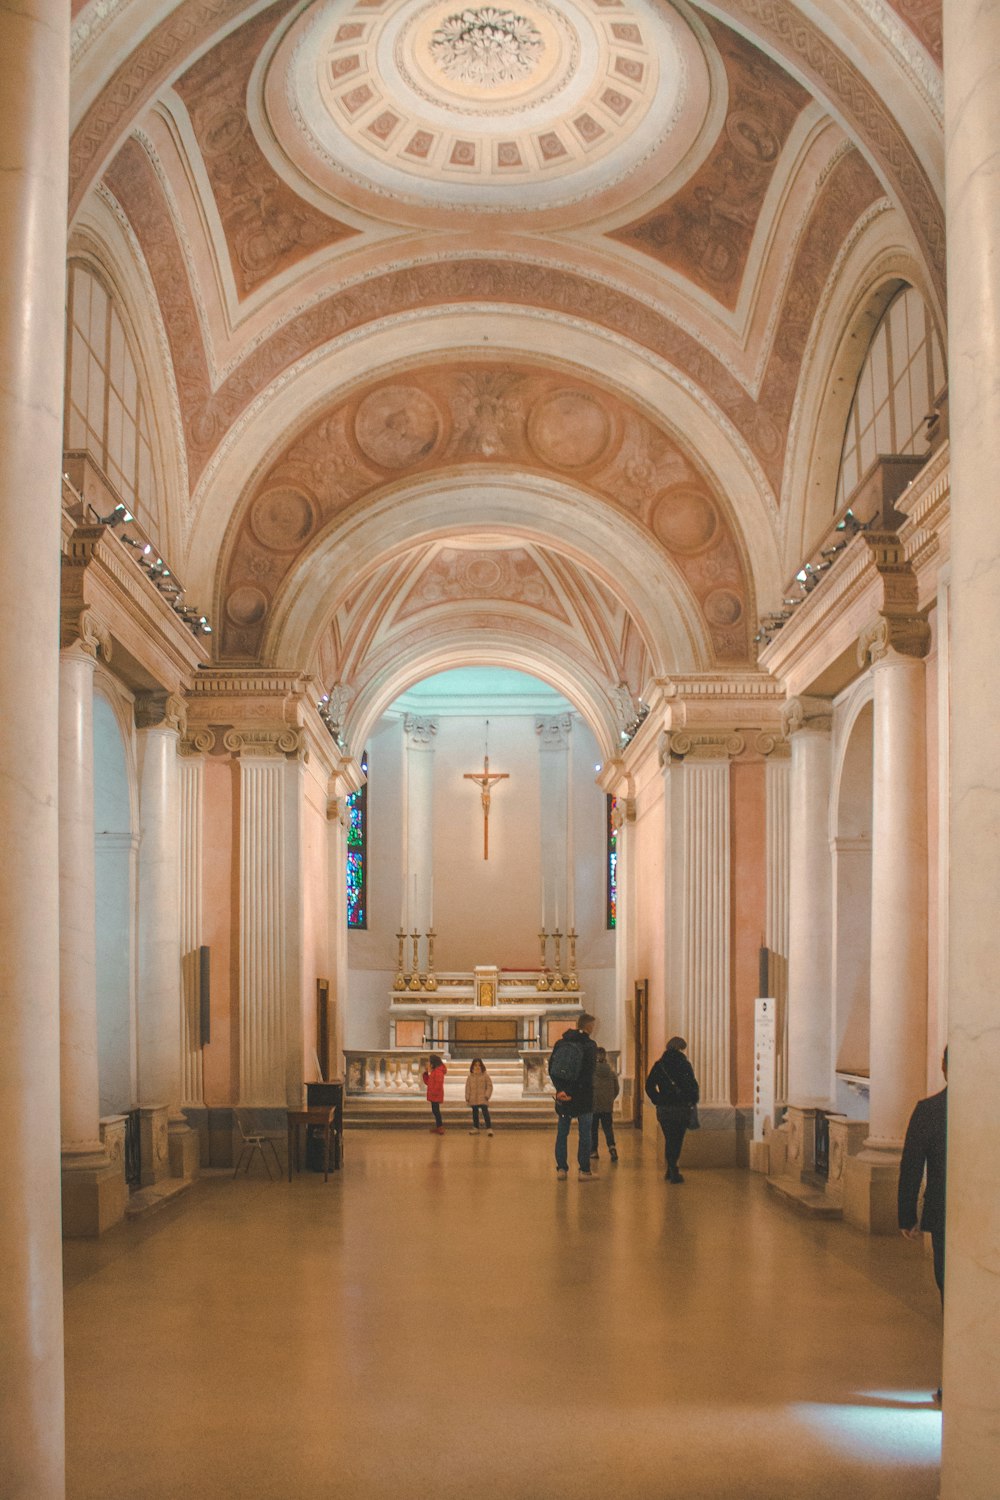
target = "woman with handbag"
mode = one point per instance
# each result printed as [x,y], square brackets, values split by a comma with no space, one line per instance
[673,1088]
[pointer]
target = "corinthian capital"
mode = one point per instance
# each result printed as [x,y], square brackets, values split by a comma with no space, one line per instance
[807,713]
[553,730]
[419,729]
[87,632]
[906,635]
[153,710]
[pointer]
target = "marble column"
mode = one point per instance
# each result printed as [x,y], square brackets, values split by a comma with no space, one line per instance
[159,721]
[898,988]
[34,131]
[898,967]
[418,891]
[808,722]
[554,829]
[971,1453]
[93,1192]
[338,818]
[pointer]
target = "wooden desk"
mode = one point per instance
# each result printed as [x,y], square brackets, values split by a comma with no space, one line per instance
[323,1115]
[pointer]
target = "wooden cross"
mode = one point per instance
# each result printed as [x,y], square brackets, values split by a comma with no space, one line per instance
[485,780]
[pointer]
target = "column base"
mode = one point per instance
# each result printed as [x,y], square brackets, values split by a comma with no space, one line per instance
[847,1139]
[871,1181]
[93,1195]
[184,1147]
[154,1146]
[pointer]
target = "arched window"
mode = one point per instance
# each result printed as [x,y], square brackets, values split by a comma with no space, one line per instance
[106,411]
[902,374]
[357,854]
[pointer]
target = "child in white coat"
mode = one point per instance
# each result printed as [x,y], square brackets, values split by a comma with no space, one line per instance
[478,1088]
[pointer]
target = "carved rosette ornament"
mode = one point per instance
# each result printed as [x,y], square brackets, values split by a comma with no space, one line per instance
[903,635]
[815,714]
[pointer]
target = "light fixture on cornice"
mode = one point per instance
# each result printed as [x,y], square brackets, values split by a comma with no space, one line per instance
[121,515]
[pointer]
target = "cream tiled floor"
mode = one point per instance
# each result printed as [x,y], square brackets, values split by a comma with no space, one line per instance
[443,1321]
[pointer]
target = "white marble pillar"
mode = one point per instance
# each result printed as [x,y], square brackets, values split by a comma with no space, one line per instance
[337,822]
[898,988]
[34,134]
[93,1192]
[555,851]
[971,1452]
[808,722]
[159,917]
[79,1086]
[418,891]
[777,788]
[191,778]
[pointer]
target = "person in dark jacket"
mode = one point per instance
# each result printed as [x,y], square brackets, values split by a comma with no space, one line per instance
[575,1100]
[673,1088]
[926,1148]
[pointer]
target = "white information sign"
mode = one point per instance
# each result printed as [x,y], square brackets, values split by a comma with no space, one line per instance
[764,1038]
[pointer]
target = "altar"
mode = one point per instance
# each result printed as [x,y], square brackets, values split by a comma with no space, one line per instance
[491,1012]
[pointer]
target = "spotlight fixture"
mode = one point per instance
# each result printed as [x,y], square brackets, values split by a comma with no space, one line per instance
[143,548]
[121,515]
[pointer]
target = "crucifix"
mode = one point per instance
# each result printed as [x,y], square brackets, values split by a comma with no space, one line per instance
[485,780]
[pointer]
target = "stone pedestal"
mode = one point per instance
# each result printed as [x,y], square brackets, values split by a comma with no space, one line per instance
[184,1148]
[154,1143]
[801,1148]
[871,1180]
[93,1195]
[847,1138]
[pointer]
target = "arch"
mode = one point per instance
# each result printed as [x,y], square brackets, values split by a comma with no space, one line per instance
[567,520]
[878,264]
[107,245]
[651,387]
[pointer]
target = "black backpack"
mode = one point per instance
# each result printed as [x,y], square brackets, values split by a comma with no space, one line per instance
[566,1063]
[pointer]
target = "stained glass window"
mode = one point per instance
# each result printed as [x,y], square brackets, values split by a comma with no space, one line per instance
[357,855]
[612,904]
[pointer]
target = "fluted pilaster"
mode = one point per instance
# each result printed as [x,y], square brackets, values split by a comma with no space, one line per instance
[418,893]
[159,912]
[191,775]
[555,824]
[777,776]
[263,996]
[706,941]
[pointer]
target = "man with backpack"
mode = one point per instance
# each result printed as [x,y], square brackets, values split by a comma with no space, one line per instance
[571,1068]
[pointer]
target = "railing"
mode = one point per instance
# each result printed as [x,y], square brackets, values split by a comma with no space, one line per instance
[133,1162]
[822,1146]
[398,1072]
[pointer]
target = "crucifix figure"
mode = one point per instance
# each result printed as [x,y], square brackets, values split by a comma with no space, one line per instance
[485,780]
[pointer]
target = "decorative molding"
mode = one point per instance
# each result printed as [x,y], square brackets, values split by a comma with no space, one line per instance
[161,710]
[84,630]
[703,745]
[198,742]
[807,713]
[768,743]
[902,635]
[265,742]
[419,730]
[553,731]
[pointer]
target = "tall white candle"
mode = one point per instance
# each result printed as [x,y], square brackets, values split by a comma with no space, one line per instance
[430,908]
[557,909]
[416,912]
[543,905]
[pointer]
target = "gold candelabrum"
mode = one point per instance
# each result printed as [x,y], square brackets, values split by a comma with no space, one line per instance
[412,978]
[555,978]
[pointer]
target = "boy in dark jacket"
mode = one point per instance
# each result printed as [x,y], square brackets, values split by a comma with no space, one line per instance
[605,1093]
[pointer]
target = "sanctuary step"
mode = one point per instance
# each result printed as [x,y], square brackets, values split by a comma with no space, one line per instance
[805,1197]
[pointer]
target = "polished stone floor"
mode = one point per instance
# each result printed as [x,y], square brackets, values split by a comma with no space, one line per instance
[445,1321]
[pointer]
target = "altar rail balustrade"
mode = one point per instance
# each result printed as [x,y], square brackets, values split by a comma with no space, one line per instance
[397,1073]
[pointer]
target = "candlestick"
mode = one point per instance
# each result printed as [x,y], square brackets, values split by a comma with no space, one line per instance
[415,935]
[431,982]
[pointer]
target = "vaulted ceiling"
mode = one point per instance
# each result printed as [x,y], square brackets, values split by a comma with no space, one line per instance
[498,333]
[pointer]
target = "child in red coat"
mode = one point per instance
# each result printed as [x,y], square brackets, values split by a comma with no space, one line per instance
[434,1079]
